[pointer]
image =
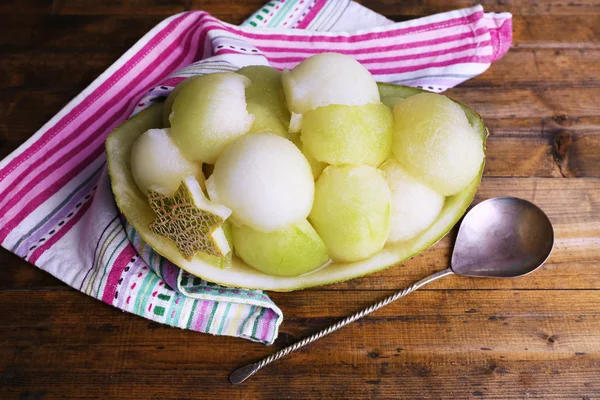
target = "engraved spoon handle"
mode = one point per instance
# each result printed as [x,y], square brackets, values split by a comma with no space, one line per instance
[240,375]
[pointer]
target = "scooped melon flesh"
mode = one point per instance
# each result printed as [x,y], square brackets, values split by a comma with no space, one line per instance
[435,143]
[317,167]
[136,209]
[292,251]
[208,114]
[265,100]
[351,212]
[348,135]
[156,162]
[414,205]
[328,78]
[265,180]
[168,104]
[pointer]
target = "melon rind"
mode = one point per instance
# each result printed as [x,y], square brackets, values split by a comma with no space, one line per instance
[134,206]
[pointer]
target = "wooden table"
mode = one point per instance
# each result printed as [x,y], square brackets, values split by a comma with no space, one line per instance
[534,337]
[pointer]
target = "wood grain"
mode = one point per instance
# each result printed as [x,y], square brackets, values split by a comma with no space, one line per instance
[417,8]
[390,8]
[533,337]
[441,343]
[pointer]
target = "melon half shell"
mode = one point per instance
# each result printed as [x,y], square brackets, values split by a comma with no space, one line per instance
[135,207]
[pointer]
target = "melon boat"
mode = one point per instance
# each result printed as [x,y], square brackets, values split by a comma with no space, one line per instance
[136,209]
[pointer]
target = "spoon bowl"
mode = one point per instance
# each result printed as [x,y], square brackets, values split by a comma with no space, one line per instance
[503,237]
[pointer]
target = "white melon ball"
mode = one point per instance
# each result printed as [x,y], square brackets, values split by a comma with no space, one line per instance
[158,164]
[265,180]
[414,205]
[209,113]
[328,78]
[435,143]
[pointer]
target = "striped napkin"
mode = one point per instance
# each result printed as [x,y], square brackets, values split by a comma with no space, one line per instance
[56,205]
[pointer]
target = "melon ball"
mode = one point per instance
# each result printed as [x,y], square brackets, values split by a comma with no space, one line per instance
[265,180]
[354,135]
[435,143]
[351,212]
[168,104]
[265,100]
[391,101]
[414,205]
[316,166]
[158,164]
[208,114]
[328,78]
[291,251]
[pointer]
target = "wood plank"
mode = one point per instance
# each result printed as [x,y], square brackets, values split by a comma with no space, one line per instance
[542,324]
[231,11]
[18,7]
[536,154]
[75,33]
[493,379]
[572,205]
[531,28]
[416,8]
[390,8]
[24,111]
[18,274]
[558,146]
[549,32]
[542,68]
[120,7]
[471,337]
[511,102]
[53,70]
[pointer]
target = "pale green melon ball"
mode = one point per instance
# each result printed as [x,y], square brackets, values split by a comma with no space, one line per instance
[435,143]
[414,205]
[265,180]
[328,78]
[353,135]
[351,211]
[168,104]
[209,113]
[391,101]
[158,164]
[317,167]
[292,251]
[266,101]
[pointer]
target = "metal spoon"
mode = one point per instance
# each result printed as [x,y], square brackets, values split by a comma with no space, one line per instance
[503,237]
